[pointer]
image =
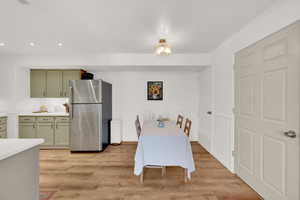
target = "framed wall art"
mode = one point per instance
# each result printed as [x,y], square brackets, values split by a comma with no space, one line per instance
[155,90]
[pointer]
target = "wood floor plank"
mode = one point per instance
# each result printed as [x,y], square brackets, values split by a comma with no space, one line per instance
[109,176]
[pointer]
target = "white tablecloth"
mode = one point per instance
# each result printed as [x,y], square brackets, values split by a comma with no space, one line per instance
[167,146]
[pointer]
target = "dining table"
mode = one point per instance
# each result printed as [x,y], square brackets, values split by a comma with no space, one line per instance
[163,144]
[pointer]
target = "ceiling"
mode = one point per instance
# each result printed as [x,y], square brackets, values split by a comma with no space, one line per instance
[120,26]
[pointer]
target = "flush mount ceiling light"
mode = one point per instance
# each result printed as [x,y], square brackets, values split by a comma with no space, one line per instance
[163,48]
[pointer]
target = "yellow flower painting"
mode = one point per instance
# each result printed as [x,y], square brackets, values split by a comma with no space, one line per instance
[155,90]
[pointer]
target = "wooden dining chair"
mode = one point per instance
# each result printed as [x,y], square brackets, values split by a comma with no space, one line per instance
[138,126]
[179,121]
[187,127]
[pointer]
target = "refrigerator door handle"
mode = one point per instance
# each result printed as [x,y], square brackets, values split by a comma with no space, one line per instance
[71,102]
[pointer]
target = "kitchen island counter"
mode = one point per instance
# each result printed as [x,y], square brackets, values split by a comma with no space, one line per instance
[10,147]
[19,169]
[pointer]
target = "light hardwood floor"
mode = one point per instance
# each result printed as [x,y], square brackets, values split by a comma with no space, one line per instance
[109,176]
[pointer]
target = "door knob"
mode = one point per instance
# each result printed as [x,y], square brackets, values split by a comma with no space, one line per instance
[290,133]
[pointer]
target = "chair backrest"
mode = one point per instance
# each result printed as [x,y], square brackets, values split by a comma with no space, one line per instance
[187,127]
[138,126]
[179,121]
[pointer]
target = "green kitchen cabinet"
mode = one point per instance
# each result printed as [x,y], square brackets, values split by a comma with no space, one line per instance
[62,134]
[27,130]
[54,130]
[67,76]
[46,131]
[37,83]
[50,83]
[54,84]
[3,135]
[3,127]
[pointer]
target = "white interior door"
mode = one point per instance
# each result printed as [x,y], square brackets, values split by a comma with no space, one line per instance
[267,106]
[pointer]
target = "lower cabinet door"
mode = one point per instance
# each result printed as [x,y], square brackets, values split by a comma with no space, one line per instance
[62,134]
[27,130]
[46,131]
[3,134]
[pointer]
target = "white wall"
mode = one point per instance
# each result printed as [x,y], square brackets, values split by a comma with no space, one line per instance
[7,91]
[130,98]
[205,105]
[6,75]
[15,93]
[14,76]
[111,60]
[281,14]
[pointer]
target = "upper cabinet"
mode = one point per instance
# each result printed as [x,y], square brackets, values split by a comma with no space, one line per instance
[54,84]
[51,83]
[37,83]
[66,77]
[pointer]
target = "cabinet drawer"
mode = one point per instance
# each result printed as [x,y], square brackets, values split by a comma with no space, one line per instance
[26,119]
[45,119]
[2,127]
[62,119]
[3,120]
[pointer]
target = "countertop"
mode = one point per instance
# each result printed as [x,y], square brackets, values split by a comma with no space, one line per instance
[45,114]
[3,114]
[11,147]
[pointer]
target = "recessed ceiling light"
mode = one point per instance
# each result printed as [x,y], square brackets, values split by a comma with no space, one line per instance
[25,1]
[31,44]
[59,44]
[2,44]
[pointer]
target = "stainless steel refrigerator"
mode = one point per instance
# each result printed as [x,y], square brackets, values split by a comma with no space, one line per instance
[91,114]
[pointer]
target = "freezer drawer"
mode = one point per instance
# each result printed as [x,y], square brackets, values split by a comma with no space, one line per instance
[85,132]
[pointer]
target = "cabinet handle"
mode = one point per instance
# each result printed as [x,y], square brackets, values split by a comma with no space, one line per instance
[65,93]
[44,93]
